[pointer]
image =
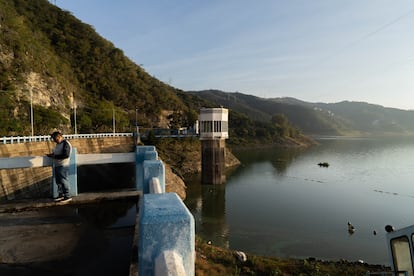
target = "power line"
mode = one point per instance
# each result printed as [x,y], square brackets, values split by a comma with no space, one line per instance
[362,38]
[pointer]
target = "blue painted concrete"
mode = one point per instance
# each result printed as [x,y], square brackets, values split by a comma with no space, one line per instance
[141,155]
[151,155]
[165,223]
[153,168]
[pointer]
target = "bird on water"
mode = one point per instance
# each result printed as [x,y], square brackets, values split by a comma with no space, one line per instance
[351,228]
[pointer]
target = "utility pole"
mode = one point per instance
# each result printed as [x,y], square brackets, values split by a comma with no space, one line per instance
[136,126]
[31,111]
[136,119]
[113,119]
[74,116]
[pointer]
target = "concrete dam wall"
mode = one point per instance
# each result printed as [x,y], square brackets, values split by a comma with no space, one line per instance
[36,182]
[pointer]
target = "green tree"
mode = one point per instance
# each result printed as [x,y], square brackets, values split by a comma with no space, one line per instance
[281,122]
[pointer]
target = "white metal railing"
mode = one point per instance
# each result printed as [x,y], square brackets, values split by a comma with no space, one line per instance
[388,273]
[44,138]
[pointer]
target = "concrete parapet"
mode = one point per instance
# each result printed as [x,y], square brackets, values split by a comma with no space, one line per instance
[165,224]
[93,145]
[35,182]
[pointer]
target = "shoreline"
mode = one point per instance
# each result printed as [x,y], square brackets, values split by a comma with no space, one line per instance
[227,262]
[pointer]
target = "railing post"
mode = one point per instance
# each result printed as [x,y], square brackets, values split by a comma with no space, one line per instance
[165,225]
[169,263]
[155,186]
[153,169]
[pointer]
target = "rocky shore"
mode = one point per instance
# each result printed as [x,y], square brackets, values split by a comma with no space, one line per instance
[212,260]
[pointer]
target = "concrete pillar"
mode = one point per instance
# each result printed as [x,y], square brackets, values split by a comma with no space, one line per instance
[165,225]
[213,161]
[142,153]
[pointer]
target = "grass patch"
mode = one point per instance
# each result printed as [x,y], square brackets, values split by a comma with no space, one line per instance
[213,260]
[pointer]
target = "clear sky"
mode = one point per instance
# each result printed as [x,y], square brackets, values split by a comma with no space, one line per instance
[313,50]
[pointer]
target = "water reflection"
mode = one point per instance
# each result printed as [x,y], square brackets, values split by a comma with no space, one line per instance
[108,214]
[207,204]
[105,246]
[71,240]
[280,158]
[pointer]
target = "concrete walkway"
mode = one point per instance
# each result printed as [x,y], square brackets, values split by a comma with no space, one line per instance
[83,198]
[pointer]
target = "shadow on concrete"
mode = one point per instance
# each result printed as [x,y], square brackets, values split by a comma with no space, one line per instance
[69,239]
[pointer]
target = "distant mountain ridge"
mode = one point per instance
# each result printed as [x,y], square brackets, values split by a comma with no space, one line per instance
[343,118]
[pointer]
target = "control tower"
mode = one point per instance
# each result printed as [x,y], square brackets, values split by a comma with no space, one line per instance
[214,125]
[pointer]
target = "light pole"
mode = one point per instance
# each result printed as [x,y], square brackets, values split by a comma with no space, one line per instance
[74,117]
[31,111]
[136,119]
[136,125]
[113,119]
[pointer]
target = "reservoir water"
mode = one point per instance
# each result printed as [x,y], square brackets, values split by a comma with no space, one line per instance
[279,202]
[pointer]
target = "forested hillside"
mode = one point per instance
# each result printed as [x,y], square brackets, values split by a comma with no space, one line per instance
[63,63]
[64,72]
[374,118]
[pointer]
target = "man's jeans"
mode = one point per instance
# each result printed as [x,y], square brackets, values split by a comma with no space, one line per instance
[62,181]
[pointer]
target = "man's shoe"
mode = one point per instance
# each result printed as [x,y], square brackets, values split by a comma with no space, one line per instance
[57,199]
[66,199]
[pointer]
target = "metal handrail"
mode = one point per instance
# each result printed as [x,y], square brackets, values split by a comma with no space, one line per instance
[45,138]
[387,273]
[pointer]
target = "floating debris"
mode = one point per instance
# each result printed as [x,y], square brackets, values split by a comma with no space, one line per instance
[241,256]
[323,164]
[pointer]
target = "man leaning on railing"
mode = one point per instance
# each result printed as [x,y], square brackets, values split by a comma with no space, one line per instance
[60,155]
